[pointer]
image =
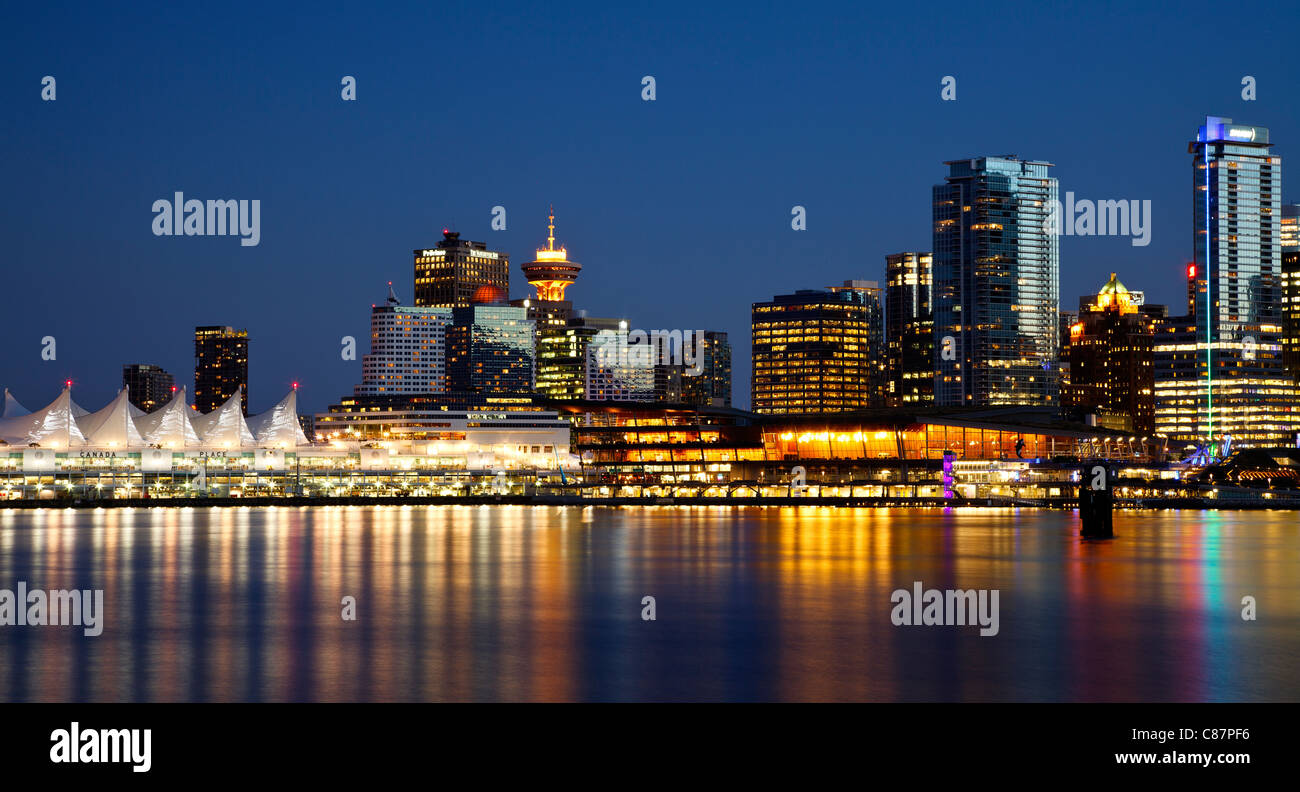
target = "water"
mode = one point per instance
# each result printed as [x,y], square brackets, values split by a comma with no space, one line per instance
[544,603]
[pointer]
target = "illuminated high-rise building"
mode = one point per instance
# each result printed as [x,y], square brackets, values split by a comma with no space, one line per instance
[148,387]
[696,371]
[620,368]
[448,275]
[408,349]
[711,386]
[490,346]
[996,275]
[1111,358]
[1291,289]
[1219,370]
[220,367]
[909,328]
[811,352]
[562,356]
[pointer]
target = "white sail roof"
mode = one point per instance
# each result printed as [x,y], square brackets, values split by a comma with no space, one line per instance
[225,426]
[112,426]
[279,425]
[56,425]
[171,425]
[12,408]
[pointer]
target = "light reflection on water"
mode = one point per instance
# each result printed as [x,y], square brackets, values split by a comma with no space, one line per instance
[544,603]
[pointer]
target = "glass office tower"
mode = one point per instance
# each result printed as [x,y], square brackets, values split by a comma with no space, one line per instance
[996,284]
[1219,370]
[909,328]
[490,349]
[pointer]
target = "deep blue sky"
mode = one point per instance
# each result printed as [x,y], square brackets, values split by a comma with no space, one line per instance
[679,209]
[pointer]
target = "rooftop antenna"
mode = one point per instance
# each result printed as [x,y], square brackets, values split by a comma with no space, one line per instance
[392,295]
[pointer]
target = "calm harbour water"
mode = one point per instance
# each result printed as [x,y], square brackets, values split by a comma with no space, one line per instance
[544,603]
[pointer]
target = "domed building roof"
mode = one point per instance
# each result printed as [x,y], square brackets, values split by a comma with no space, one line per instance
[1113,286]
[487,294]
[1115,296]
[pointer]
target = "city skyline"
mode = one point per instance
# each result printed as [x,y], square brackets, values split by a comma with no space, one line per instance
[348,189]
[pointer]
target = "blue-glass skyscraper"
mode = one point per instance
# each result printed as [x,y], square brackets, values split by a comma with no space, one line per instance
[1219,369]
[996,284]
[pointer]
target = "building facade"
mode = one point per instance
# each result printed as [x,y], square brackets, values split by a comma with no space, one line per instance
[490,349]
[1291,289]
[1235,387]
[1112,359]
[148,387]
[909,328]
[1220,371]
[996,276]
[619,368]
[408,349]
[711,386]
[449,274]
[220,366]
[811,352]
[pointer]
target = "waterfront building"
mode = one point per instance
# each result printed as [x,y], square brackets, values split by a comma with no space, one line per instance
[667,450]
[996,276]
[149,386]
[220,366]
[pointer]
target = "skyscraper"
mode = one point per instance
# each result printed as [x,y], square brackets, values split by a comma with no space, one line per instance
[1111,359]
[408,352]
[1291,289]
[711,387]
[618,368]
[148,387]
[996,275]
[490,346]
[1219,369]
[810,352]
[1237,212]
[909,328]
[448,275]
[220,366]
[877,382]
[562,356]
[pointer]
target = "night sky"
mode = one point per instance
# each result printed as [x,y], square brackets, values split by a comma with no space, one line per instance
[678,209]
